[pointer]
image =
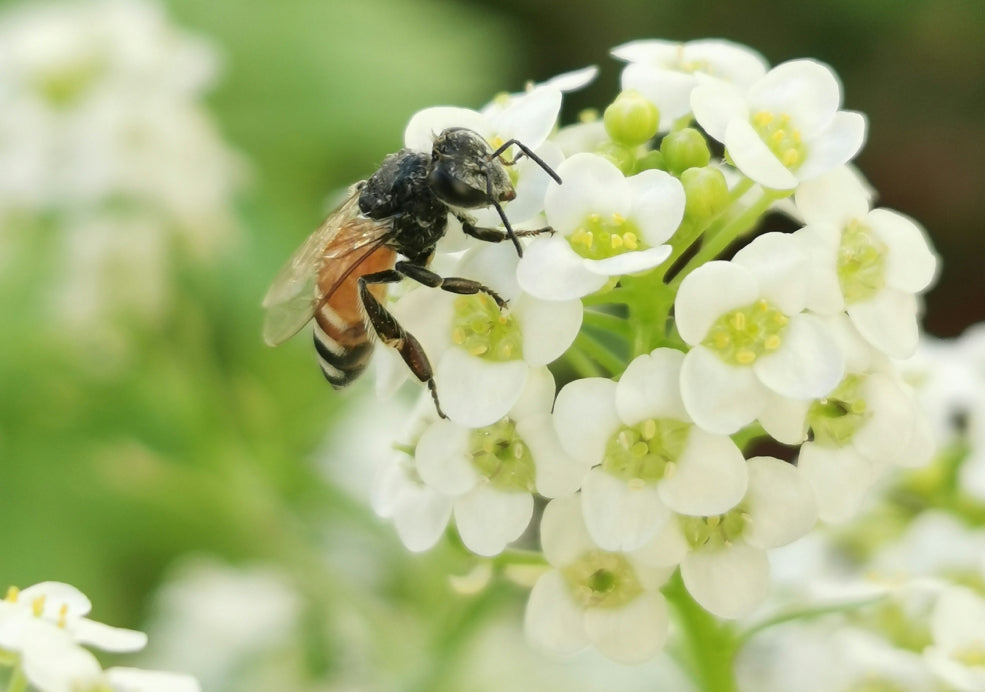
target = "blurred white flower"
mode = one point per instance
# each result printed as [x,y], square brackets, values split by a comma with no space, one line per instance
[957,654]
[785,127]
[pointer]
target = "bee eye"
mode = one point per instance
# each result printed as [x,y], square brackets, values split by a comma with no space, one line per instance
[455,191]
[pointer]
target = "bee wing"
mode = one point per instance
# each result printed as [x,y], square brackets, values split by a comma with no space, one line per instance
[294,295]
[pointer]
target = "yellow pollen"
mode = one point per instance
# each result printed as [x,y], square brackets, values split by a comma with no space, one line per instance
[518,450]
[506,350]
[630,240]
[615,241]
[63,616]
[624,440]
[778,136]
[763,118]
[583,237]
[796,137]
[639,449]
[478,349]
[458,336]
[37,606]
[791,157]
[636,484]
[594,218]
[618,219]
[780,320]
[722,340]
[772,342]
[670,469]
[12,593]
[713,521]
[649,429]
[496,142]
[739,320]
[745,356]
[762,305]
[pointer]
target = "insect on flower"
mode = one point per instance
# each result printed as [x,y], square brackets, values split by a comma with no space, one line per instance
[339,275]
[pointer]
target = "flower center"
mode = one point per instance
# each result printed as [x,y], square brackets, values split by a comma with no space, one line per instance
[601,238]
[646,452]
[971,655]
[741,336]
[65,85]
[599,579]
[485,331]
[502,457]
[716,531]
[861,263]
[782,138]
[836,418]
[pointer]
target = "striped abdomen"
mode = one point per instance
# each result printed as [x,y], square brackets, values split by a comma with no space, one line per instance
[343,338]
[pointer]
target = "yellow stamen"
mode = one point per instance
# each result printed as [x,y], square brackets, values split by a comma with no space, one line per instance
[772,342]
[630,240]
[745,356]
[12,593]
[37,605]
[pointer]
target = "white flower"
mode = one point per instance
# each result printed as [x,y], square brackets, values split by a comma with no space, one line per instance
[420,513]
[753,347]
[642,456]
[666,71]
[491,472]
[136,680]
[784,128]
[482,354]
[723,557]
[869,263]
[591,596]
[607,225]
[65,607]
[958,628]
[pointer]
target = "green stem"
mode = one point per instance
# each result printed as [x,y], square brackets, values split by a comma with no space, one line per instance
[582,364]
[716,240]
[18,683]
[803,614]
[600,353]
[607,322]
[709,645]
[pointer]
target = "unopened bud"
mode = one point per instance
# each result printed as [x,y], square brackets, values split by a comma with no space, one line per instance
[631,119]
[706,192]
[684,149]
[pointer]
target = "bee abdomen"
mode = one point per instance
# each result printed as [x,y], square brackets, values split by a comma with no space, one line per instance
[342,359]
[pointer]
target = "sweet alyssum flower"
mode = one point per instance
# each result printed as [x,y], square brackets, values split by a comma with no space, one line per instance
[641,455]
[957,654]
[607,225]
[752,344]
[785,127]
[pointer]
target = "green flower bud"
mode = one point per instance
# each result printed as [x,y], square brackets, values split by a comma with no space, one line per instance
[684,149]
[649,161]
[631,119]
[706,192]
[622,157]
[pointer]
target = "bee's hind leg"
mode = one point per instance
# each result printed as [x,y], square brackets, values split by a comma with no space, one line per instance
[394,335]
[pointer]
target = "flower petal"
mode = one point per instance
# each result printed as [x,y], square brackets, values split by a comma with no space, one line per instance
[658,204]
[619,515]
[425,124]
[557,473]
[808,363]
[728,582]
[715,105]
[780,503]
[888,321]
[840,478]
[707,293]
[488,519]
[476,392]
[807,90]
[135,680]
[115,639]
[563,535]
[836,145]
[719,397]
[585,418]
[633,633]
[911,265]
[592,185]
[551,270]
[548,327]
[552,621]
[650,388]
[754,158]
[629,262]
[779,262]
[442,458]
[709,478]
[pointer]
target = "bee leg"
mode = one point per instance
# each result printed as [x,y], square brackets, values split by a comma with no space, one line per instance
[494,235]
[452,284]
[394,335]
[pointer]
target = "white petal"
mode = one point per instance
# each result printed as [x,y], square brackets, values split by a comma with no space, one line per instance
[585,418]
[808,363]
[886,434]
[633,633]
[836,145]
[910,263]
[475,392]
[592,185]
[658,204]
[442,458]
[715,105]
[107,638]
[563,536]
[727,60]
[421,517]
[840,478]
[650,388]
[135,680]
[488,519]
[668,90]
[666,549]
[707,293]
[728,582]
[710,476]
[425,124]
[780,503]
[55,595]
[548,327]
[824,294]
[719,397]
[620,515]
[494,265]
[888,321]
[807,90]
[629,262]
[779,263]
[537,396]
[835,198]
[52,662]
[551,270]
[557,473]
[530,117]
[785,419]
[553,622]
[755,159]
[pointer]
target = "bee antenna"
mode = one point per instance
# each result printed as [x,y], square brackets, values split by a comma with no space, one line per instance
[525,150]
[502,214]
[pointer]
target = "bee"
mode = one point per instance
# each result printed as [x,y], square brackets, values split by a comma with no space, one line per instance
[339,275]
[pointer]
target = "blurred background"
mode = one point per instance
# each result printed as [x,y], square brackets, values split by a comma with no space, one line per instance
[159,161]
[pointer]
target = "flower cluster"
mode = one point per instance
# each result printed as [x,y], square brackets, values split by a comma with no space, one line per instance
[106,147]
[624,399]
[43,632]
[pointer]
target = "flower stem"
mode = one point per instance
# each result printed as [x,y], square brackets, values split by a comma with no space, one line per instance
[18,683]
[708,645]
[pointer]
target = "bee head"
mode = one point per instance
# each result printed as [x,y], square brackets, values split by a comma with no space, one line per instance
[464,173]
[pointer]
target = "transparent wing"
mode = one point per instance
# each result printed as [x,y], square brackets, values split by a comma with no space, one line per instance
[294,295]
